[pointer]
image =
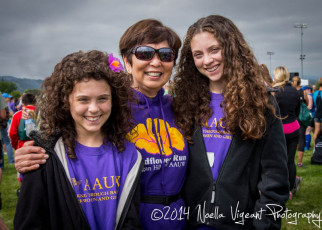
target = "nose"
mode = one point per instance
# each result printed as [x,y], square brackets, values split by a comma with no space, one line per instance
[208,59]
[155,61]
[93,107]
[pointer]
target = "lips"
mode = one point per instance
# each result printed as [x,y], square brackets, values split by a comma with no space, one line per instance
[153,74]
[92,119]
[212,69]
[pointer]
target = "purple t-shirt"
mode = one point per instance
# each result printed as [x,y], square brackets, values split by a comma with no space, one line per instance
[216,144]
[12,106]
[98,175]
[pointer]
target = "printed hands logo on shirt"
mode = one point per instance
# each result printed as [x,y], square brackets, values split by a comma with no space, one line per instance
[76,183]
[144,138]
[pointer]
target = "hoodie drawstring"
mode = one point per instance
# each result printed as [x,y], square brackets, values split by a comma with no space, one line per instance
[165,122]
[154,131]
[153,126]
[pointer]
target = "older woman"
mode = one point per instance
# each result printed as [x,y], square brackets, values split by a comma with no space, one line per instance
[149,50]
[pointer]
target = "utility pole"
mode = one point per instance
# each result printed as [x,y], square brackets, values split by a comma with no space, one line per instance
[270,53]
[302,56]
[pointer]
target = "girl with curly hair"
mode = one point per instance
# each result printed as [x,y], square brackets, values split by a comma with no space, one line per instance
[90,180]
[149,50]
[236,141]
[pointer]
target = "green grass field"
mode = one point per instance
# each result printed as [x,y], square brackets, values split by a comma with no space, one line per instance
[8,190]
[306,201]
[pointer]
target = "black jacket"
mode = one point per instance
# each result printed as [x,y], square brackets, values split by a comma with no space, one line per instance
[289,102]
[48,201]
[252,179]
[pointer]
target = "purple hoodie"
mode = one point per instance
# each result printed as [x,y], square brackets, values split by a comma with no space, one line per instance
[165,153]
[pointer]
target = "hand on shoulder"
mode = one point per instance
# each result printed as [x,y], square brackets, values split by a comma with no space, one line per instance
[29,157]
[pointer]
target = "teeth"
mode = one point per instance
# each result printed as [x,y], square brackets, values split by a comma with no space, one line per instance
[212,69]
[92,118]
[154,74]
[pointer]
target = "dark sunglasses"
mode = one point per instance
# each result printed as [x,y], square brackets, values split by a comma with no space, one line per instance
[146,53]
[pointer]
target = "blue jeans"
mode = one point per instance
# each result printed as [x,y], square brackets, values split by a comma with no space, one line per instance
[6,141]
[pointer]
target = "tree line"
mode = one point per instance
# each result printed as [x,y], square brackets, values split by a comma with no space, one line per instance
[11,88]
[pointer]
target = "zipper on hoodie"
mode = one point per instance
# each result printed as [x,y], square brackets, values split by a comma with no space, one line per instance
[213,192]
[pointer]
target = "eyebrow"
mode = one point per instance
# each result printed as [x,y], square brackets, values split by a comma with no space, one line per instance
[217,46]
[82,95]
[214,46]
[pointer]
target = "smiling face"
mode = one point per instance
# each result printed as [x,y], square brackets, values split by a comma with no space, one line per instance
[150,76]
[90,106]
[207,55]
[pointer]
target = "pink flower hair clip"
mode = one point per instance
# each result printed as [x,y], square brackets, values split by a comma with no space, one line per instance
[115,64]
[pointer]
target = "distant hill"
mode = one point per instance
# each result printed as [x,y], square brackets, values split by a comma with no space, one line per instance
[23,83]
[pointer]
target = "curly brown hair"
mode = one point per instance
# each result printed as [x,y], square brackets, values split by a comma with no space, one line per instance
[245,95]
[54,105]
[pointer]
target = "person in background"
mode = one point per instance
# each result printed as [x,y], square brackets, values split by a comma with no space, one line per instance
[4,129]
[237,147]
[3,116]
[91,180]
[308,91]
[10,102]
[296,83]
[318,111]
[28,102]
[17,136]
[289,103]
[18,103]
[267,77]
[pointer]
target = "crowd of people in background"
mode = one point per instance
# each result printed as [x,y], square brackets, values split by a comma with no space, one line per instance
[10,107]
[206,128]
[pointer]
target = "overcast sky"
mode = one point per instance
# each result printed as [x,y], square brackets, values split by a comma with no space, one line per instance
[36,34]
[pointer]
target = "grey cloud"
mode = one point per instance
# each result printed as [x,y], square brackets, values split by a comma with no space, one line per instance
[36,34]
